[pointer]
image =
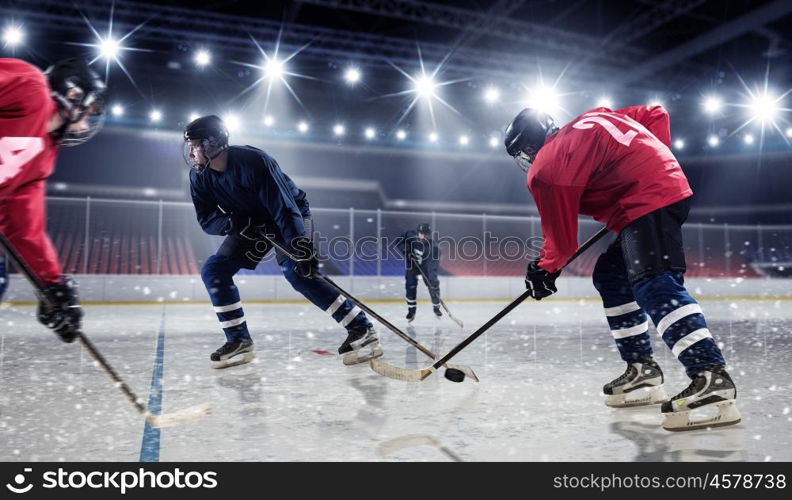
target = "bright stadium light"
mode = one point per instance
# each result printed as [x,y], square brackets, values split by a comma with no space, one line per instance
[764,107]
[274,69]
[713,141]
[679,144]
[655,102]
[202,58]
[493,142]
[712,104]
[155,115]
[13,36]
[109,48]
[338,130]
[401,134]
[193,117]
[464,140]
[789,132]
[232,122]
[352,75]
[433,137]
[491,95]
[748,139]
[424,86]
[544,99]
[268,121]
[605,102]
[302,127]
[370,133]
[117,110]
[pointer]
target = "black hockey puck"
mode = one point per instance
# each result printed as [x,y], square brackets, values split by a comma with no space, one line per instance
[454,375]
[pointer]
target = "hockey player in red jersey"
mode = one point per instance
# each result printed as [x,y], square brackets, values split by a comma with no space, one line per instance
[616,166]
[40,112]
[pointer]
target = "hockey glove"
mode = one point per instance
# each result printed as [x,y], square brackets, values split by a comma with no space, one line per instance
[246,228]
[59,308]
[539,282]
[306,264]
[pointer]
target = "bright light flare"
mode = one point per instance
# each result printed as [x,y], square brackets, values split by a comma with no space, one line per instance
[155,115]
[401,135]
[605,102]
[232,122]
[302,127]
[493,142]
[274,69]
[713,141]
[491,95]
[202,58]
[464,140]
[764,107]
[712,104]
[117,110]
[370,133]
[544,99]
[109,48]
[268,121]
[352,75]
[679,144]
[339,130]
[13,36]
[433,137]
[749,139]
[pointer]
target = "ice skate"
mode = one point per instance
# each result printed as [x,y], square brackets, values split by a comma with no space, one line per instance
[361,345]
[438,314]
[713,390]
[233,354]
[410,314]
[643,376]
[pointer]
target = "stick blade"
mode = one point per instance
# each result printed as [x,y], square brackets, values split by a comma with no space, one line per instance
[388,370]
[180,417]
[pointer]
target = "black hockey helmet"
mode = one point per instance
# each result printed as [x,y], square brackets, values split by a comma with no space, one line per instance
[79,92]
[213,136]
[423,228]
[526,134]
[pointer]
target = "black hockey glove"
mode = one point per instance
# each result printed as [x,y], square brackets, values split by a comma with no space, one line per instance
[246,228]
[59,308]
[539,282]
[306,264]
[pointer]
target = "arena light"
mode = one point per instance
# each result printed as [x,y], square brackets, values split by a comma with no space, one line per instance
[712,104]
[202,58]
[117,110]
[679,144]
[232,122]
[149,192]
[655,102]
[464,140]
[424,86]
[352,75]
[749,139]
[544,99]
[370,133]
[605,102]
[763,107]
[274,69]
[302,127]
[491,95]
[338,130]
[155,115]
[13,36]
[713,141]
[493,142]
[193,117]
[401,134]
[268,121]
[789,132]
[109,48]
[433,137]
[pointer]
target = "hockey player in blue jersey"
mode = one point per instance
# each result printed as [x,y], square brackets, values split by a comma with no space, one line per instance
[421,254]
[241,193]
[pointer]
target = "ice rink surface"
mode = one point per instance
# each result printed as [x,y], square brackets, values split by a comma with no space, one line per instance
[541,369]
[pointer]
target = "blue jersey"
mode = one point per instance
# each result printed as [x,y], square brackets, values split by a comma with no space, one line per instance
[253,185]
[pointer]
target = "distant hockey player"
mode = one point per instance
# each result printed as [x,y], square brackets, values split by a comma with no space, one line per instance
[39,112]
[616,166]
[241,193]
[421,254]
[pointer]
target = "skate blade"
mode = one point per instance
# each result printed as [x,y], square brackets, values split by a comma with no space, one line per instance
[239,359]
[728,414]
[181,417]
[653,396]
[355,357]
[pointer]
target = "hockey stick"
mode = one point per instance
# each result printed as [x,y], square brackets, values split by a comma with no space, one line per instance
[421,374]
[187,415]
[426,282]
[468,371]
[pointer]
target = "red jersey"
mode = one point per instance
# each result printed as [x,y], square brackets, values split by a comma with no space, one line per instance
[614,166]
[27,158]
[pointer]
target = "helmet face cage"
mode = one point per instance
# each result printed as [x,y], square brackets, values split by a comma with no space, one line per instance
[90,108]
[525,160]
[211,147]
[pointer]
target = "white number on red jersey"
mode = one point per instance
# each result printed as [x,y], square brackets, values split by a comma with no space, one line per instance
[15,152]
[603,120]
